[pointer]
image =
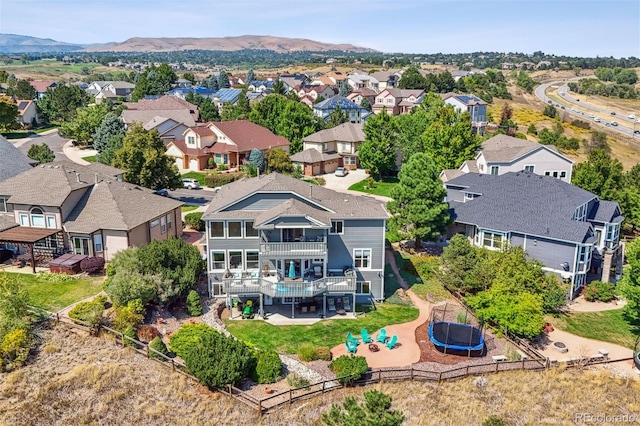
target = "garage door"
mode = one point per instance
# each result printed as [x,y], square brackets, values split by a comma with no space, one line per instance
[179,163]
[330,166]
[193,164]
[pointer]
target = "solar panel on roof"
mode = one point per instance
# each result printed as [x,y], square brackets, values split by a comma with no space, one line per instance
[23,105]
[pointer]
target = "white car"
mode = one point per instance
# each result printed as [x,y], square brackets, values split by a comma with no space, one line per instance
[341,172]
[597,120]
[190,183]
[632,116]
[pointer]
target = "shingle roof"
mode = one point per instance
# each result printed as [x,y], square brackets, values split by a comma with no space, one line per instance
[122,85]
[345,132]
[247,135]
[42,86]
[523,202]
[448,174]
[312,155]
[472,165]
[293,207]
[337,101]
[7,221]
[105,169]
[340,205]
[148,118]
[165,102]
[405,93]
[504,149]
[604,211]
[465,99]
[12,160]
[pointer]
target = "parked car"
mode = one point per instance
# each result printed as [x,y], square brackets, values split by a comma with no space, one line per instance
[614,123]
[341,172]
[162,192]
[190,183]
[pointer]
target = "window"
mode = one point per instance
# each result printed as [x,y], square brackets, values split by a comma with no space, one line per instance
[325,147]
[581,213]
[163,224]
[234,229]
[380,100]
[252,259]
[547,173]
[337,227]
[469,196]
[495,170]
[584,254]
[169,221]
[191,140]
[51,221]
[563,175]
[235,259]
[613,231]
[222,158]
[345,147]
[291,234]
[249,231]
[364,287]
[97,243]
[3,205]
[362,258]
[155,223]
[218,260]
[529,168]
[555,174]
[37,218]
[349,161]
[598,237]
[81,246]
[492,239]
[216,229]
[389,100]
[24,219]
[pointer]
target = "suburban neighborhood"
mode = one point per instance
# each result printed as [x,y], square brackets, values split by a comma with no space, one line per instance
[346,220]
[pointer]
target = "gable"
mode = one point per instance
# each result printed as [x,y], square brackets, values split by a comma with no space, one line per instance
[266,201]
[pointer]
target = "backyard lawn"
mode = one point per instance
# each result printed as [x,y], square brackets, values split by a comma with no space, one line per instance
[55,295]
[287,338]
[607,326]
[186,209]
[90,158]
[382,187]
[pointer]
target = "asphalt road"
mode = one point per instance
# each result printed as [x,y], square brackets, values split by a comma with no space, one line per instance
[192,196]
[625,125]
[52,139]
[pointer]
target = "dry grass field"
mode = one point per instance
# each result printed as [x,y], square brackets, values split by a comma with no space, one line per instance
[76,379]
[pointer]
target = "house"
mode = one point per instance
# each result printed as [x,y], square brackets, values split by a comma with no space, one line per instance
[292,81]
[569,230]
[261,86]
[328,149]
[166,106]
[397,101]
[41,87]
[502,154]
[476,107]
[227,142]
[316,91]
[358,95]
[226,96]
[169,129]
[387,79]
[27,112]
[355,112]
[83,209]
[358,81]
[288,242]
[182,92]
[112,90]
[12,161]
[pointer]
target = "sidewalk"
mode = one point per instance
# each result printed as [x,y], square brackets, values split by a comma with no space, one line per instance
[76,155]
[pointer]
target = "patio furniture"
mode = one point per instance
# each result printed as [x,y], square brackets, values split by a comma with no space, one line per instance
[381,336]
[352,348]
[366,337]
[317,271]
[345,303]
[392,343]
[332,304]
[352,339]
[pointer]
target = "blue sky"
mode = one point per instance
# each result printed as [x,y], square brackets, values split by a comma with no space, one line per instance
[563,27]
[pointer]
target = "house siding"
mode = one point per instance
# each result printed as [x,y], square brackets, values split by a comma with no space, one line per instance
[114,241]
[551,253]
[262,202]
[543,160]
[139,235]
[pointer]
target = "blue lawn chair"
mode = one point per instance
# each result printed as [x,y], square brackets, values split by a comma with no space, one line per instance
[381,336]
[392,343]
[366,337]
[352,348]
[352,339]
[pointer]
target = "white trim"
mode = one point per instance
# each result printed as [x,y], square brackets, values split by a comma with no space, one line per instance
[228,233]
[533,168]
[369,257]
[244,230]
[209,228]
[212,257]
[336,221]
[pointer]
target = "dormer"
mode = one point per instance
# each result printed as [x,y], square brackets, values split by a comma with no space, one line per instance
[198,137]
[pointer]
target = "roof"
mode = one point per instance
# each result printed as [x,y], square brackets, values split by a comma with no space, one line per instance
[200,130]
[405,93]
[21,234]
[7,221]
[604,212]
[384,75]
[293,207]
[12,160]
[227,95]
[117,206]
[247,135]
[186,90]
[122,85]
[196,152]
[363,91]
[472,165]
[465,99]
[105,169]
[339,205]
[149,118]
[23,105]
[345,132]
[42,86]
[337,101]
[448,174]
[361,78]
[312,155]
[523,202]
[504,149]
[165,102]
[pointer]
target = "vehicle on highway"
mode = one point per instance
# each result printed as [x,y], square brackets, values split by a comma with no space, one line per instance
[614,123]
[636,132]
[613,113]
[557,105]
[341,172]
[632,116]
[162,192]
[190,183]
[550,101]
[597,120]
[562,107]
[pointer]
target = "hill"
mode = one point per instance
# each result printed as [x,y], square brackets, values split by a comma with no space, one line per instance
[13,43]
[276,44]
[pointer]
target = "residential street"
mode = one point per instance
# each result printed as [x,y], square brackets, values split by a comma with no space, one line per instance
[50,138]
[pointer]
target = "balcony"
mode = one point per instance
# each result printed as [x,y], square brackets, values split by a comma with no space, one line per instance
[275,288]
[292,249]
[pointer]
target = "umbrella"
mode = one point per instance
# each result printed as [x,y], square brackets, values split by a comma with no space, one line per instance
[292,270]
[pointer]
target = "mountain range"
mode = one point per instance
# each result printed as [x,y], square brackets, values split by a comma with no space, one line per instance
[12,43]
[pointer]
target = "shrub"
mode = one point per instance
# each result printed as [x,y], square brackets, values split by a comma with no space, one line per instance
[581,124]
[92,265]
[306,352]
[296,381]
[250,169]
[321,181]
[14,349]
[598,290]
[219,179]
[89,312]
[147,333]
[54,277]
[323,353]
[194,221]
[223,167]
[268,368]
[462,318]
[131,334]
[129,316]
[211,162]
[158,345]
[194,306]
[349,368]
[493,420]
[532,129]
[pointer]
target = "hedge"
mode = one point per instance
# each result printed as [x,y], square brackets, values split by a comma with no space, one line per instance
[194,221]
[220,179]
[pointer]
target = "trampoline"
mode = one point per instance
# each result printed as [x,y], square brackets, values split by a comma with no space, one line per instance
[451,336]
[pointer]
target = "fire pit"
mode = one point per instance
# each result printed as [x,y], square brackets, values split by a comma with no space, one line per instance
[560,347]
[373,347]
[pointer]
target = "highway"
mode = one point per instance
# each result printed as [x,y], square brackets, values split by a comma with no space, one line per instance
[581,109]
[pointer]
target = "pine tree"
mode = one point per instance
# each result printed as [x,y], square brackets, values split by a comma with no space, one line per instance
[223,80]
[250,77]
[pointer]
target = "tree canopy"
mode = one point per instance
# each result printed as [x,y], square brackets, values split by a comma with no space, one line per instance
[108,138]
[375,411]
[8,114]
[154,81]
[378,152]
[41,153]
[629,285]
[62,102]
[85,124]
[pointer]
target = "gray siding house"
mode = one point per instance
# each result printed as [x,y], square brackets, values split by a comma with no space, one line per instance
[568,229]
[286,241]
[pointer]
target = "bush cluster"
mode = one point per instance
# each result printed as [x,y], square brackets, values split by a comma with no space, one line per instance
[219,179]
[15,328]
[14,349]
[194,305]
[54,277]
[600,291]
[129,316]
[308,352]
[158,345]
[349,368]
[147,333]
[130,332]
[194,221]
[268,368]
[89,312]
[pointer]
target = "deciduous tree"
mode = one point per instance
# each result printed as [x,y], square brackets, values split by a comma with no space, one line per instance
[85,124]
[278,160]
[629,285]
[62,102]
[8,114]
[378,152]
[41,153]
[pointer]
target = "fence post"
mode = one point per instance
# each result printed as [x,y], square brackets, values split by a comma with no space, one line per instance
[411,371]
[467,370]
[523,363]
[290,395]
[497,366]
[260,407]
[323,383]
[379,376]
[57,317]
[440,377]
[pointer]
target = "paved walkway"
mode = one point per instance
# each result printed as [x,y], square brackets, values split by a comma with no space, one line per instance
[579,304]
[579,347]
[408,352]
[342,184]
[76,155]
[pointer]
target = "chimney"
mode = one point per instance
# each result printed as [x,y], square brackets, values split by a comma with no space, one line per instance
[95,176]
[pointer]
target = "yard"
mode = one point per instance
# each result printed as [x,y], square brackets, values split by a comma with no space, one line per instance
[329,333]
[607,326]
[56,294]
[419,272]
[382,187]
[90,158]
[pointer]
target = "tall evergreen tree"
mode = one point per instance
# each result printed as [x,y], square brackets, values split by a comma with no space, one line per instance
[223,80]
[108,136]
[251,76]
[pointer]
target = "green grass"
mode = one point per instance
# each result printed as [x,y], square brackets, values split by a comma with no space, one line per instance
[47,127]
[188,208]
[54,296]
[607,326]
[195,175]
[382,187]
[287,338]
[16,135]
[90,158]
[48,67]
[420,273]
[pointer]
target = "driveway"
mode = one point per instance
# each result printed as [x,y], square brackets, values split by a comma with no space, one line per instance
[342,184]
